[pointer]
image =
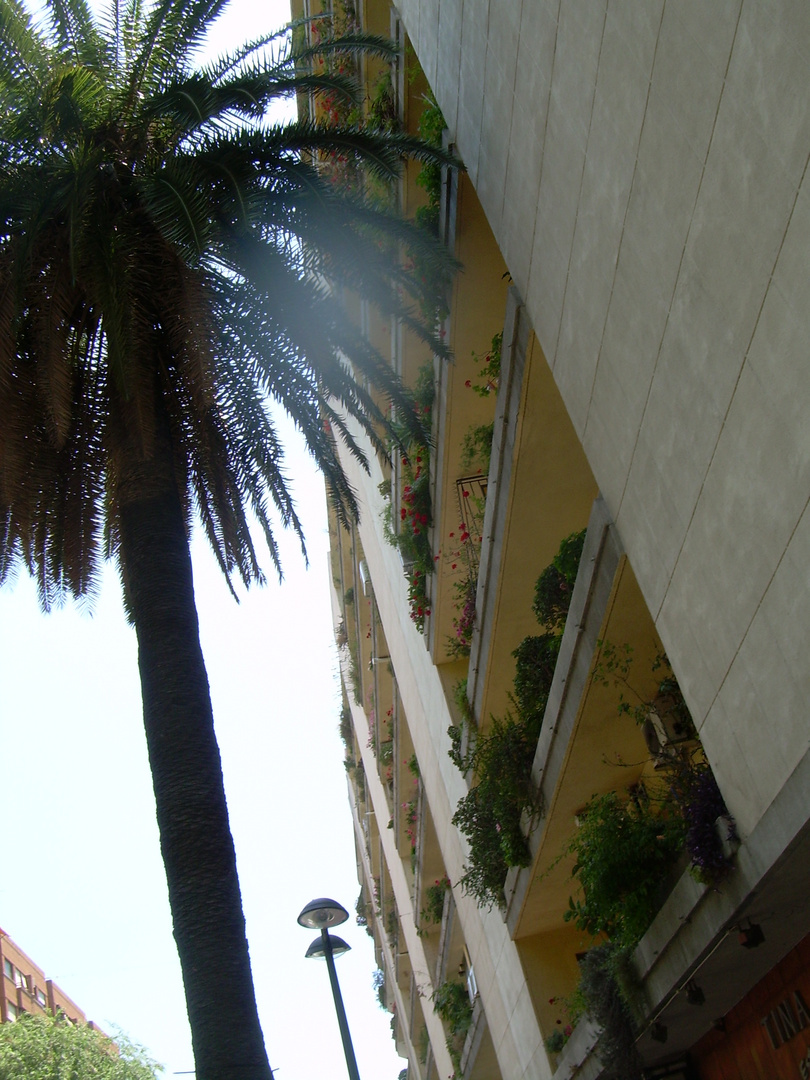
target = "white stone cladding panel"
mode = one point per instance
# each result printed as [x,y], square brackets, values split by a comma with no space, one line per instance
[644,185]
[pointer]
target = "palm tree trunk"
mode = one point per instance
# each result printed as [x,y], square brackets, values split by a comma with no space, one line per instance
[192,814]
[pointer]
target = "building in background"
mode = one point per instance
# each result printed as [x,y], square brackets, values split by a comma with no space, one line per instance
[580,614]
[25,989]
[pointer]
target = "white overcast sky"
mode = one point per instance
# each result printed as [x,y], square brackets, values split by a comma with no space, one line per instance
[82,888]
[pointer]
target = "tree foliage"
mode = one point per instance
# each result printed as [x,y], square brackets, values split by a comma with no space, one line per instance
[166,261]
[51,1048]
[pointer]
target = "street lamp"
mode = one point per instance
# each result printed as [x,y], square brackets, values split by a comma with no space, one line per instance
[320,914]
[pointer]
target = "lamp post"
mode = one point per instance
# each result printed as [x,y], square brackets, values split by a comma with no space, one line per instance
[320,914]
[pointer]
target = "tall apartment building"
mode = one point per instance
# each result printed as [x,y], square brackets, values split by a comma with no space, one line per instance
[25,989]
[635,219]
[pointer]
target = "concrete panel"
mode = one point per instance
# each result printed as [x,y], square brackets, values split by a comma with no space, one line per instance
[535,64]
[650,520]
[791,275]
[579,40]
[622,86]
[536,49]
[427,41]
[695,376]
[665,188]
[547,283]
[521,190]
[563,163]
[474,22]
[630,345]
[741,215]
[581,328]
[784,611]
[710,27]
[752,498]
[770,707]
[524,1023]
[792,18]
[496,121]
[639,26]
[766,66]
[449,70]
[511,978]
[684,83]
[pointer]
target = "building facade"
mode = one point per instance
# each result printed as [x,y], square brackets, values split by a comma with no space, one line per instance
[25,989]
[634,220]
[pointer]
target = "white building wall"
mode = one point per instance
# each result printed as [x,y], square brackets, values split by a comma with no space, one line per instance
[643,168]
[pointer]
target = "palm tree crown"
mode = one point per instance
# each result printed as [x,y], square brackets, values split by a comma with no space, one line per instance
[153,229]
[168,269]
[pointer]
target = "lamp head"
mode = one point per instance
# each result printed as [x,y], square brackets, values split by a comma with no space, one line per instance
[317,949]
[322,913]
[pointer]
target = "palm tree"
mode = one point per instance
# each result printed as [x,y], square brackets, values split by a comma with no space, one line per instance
[168,262]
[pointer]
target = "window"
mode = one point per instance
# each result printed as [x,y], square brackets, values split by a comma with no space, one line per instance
[8,969]
[39,994]
[11,1011]
[20,979]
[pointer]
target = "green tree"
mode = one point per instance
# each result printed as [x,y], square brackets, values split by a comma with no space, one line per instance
[167,268]
[50,1048]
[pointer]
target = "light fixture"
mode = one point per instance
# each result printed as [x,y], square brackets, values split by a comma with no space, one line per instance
[317,950]
[659,1032]
[320,914]
[750,936]
[694,993]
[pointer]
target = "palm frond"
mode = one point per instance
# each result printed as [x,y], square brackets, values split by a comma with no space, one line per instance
[24,57]
[76,33]
[169,35]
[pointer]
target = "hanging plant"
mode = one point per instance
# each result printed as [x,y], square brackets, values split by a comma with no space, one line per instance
[433,910]
[623,849]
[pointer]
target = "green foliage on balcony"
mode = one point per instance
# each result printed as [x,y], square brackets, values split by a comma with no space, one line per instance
[435,894]
[490,814]
[407,522]
[624,850]
[452,1003]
